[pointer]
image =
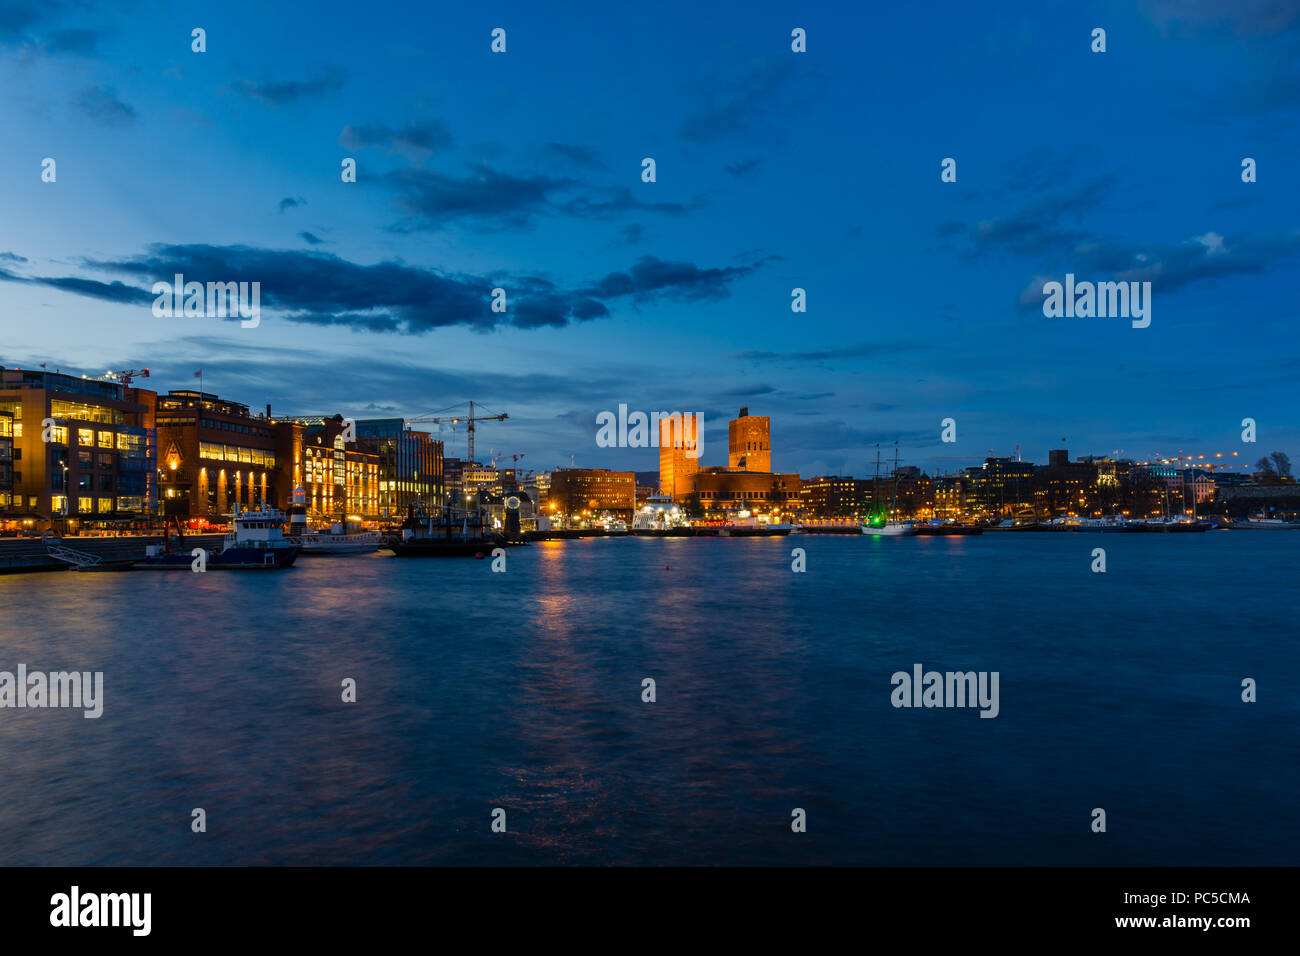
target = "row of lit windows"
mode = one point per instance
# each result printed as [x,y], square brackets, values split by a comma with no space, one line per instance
[90,505]
[237,453]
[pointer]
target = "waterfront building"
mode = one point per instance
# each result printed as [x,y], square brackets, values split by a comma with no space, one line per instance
[832,496]
[679,454]
[341,477]
[476,478]
[749,442]
[97,470]
[1000,487]
[215,454]
[410,465]
[584,493]
[6,465]
[950,496]
[722,491]
[1065,488]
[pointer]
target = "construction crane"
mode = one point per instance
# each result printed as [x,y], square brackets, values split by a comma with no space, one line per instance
[471,418]
[126,375]
[496,458]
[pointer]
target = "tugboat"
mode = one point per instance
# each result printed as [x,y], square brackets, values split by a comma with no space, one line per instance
[255,542]
[422,538]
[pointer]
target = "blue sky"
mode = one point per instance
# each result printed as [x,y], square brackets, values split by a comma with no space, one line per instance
[775,170]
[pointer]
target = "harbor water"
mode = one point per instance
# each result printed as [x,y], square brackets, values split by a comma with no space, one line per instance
[523,690]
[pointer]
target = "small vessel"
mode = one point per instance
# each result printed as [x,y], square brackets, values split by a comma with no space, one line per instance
[1174,524]
[661,518]
[422,537]
[890,529]
[880,525]
[1260,523]
[255,542]
[1113,523]
[946,529]
[746,525]
[339,540]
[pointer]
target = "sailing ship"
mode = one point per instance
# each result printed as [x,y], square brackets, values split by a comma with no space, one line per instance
[890,527]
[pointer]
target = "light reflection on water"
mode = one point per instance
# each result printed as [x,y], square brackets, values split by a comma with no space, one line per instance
[523,691]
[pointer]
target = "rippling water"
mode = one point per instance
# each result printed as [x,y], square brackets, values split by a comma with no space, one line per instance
[523,691]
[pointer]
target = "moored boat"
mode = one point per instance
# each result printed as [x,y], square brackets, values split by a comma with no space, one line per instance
[255,542]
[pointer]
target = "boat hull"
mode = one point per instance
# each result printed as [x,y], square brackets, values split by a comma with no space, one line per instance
[890,530]
[444,548]
[231,559]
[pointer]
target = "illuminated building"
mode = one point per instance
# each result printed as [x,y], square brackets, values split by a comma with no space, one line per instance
[830,496]
[749,442]
[410,465]
[723,491]
[584,493]
[950,496]
[341,477]
[6,462]
[679,454]
[1064,487]
[97,470]
[214,454]
[1000,486]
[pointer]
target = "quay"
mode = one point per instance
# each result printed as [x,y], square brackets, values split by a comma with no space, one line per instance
[19,555]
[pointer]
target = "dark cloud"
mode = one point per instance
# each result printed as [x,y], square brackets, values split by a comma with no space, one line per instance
[12,257]
[311,239]
[423,137]
[1037,227]
[683,281]
[620,201]
[18,17]
[744,391]
[743,168]
[489,199]
[101,104]
[317,288]
[78,42]
[284,92]
[107,291]
[630,235]
[735,105]
[1172,266]
[579,156]
[288,202]
[436,199]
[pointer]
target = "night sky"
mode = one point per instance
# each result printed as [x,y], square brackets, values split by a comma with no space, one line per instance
[775,170]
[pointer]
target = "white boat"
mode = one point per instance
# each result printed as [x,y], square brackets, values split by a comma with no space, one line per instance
[659,516]
[338,540]
[745,525]
[1260,523]
[890,529]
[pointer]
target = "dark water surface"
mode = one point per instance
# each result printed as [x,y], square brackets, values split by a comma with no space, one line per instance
[522,690]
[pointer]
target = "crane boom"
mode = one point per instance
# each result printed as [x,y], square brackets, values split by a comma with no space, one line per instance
[471,418]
